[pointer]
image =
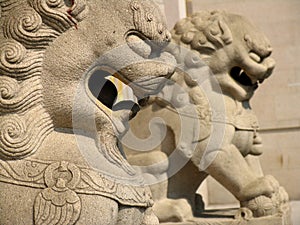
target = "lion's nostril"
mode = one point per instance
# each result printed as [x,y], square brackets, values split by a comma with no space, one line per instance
[255,57]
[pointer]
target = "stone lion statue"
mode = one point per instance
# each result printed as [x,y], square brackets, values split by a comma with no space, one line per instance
[71,73]
[222,59]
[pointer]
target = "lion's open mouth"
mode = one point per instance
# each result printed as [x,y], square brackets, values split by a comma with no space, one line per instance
[116,92]
[112,92]
[240,76]
[128,75]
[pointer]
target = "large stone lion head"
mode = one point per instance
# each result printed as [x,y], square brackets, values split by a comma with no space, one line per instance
[237,53]
[51,47]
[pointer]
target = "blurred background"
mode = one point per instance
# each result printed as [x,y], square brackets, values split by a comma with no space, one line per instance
[277,101]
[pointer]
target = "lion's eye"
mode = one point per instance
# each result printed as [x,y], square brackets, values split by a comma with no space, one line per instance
[255,57]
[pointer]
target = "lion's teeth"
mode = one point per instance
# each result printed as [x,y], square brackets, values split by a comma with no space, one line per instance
[254,57]
[253,80]
[241,72]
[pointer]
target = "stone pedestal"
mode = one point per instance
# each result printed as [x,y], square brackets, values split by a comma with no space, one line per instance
[237,217]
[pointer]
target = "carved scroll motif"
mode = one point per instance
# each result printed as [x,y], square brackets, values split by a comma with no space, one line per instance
[59,15]
[27,32]
[20,135]
[23,123]
[17,62]
[16,97]
[28,28]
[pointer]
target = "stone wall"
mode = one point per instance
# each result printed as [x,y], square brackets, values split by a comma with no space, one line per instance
[277,101]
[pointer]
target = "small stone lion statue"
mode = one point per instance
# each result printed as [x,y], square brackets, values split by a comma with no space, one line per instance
[71,72]
[222,59]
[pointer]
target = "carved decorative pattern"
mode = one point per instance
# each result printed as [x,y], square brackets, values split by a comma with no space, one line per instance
[142,19]
[58,204]
[27,31]
[21,135]
[144,22]
[211,32]
[35,174]
[16,97]
[23,123]
[8,4]
[27,27]
[58,15]
[17,62]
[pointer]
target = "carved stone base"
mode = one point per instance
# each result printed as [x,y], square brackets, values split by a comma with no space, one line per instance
[228,217]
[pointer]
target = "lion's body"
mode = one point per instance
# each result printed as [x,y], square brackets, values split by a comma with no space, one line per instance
[59,159]
[238,56]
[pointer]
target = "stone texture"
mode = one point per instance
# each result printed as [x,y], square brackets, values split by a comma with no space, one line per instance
[238,56]
[224,219]
[274,104]
[59,156]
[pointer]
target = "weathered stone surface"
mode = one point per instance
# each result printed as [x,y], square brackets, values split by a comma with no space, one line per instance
[59,157]
[228,217]
[228,58]
[274,103]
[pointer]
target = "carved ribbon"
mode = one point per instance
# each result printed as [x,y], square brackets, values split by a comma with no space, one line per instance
[33,173]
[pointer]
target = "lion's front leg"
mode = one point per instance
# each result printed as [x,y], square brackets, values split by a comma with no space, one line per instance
[225,162]
[231,169]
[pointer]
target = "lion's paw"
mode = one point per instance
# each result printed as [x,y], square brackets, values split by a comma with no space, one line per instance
[261,206]
[266,186]
[281,196]
[273,182]
[265,206]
